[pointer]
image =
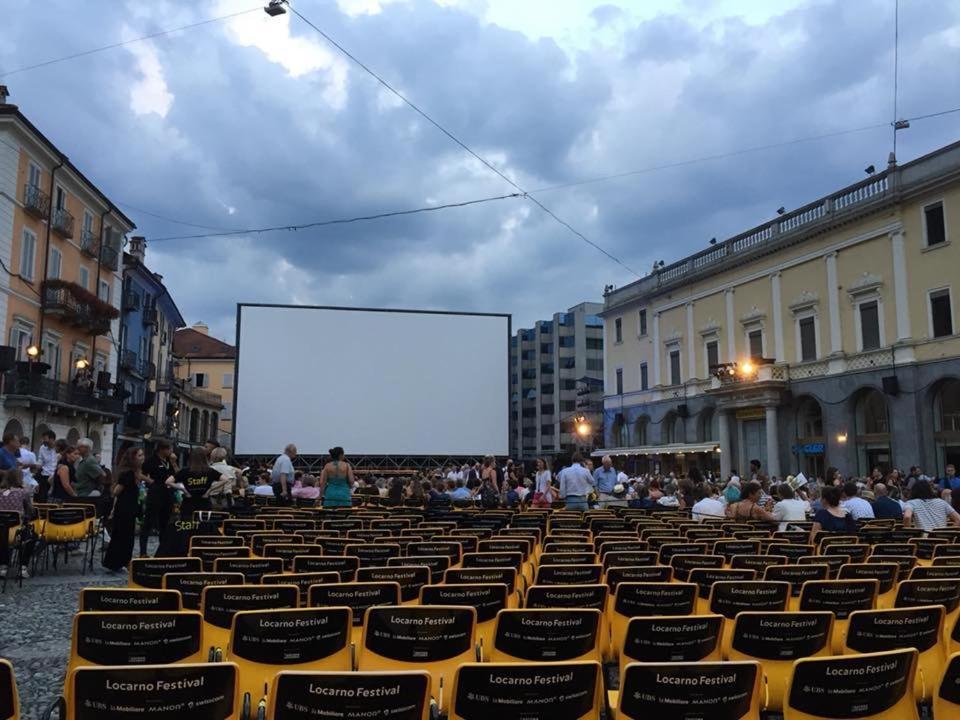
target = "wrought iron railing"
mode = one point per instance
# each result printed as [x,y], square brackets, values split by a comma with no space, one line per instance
[35,386]
[35,201]
[62,222]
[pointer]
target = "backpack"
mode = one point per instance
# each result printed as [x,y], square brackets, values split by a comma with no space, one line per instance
[489,497]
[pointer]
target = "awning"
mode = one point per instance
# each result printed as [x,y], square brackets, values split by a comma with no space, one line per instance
[673,449]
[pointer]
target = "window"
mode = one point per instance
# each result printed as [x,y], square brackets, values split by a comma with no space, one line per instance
[644,378]
[567,341]
[33,175]
[228,380]
[514,379]
[529,412]
[83,277]
[529,374]
[594,364]
[513,359]
[568,384]
[675,367]
[618,330]
[546,328]
[941,314]
[594,343]
[546,408]
[20,338]
[643,323]
[28,252]
[56,263]
[546,388]
[87,223]
[934,226]
[546,429]
[201,380]
[104,291]
[226,413]
[619,381]
[869,325]
[528,355]
[568,363]
[713,355]
[808,338]
[546,348]
[755,342]
[51,356]
[60,198]
[568,405]
[546,368]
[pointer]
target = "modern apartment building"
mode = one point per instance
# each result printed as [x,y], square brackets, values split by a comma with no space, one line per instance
[556,377]
[148,322]
[206,365]
[826,337]
[60,246]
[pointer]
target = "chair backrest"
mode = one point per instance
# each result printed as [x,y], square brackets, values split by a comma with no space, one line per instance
[472,576]
[719,691]
[346,565]
[682,564]
[571,691]
[567,596]
[213,541]
[191,585]
[304,581]
[395,695]
[252,569]
[287,551]
[120,599]
[727,598]
[547,635]
[160,692]
[636,599]
[664,638]
[9,698]
[615,575]
[356,596]
[886,573]
[209,555]
[946,700]
[875,686]
[569,574]
[486,598]
[841,597]
[149,572]
[704,578]
[436,564]
[935,572]
[796,575]
[220,603]
[946,592]
[409,578]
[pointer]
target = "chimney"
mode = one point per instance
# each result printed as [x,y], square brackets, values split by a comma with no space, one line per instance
[4,94]
[138,247]
[201,327]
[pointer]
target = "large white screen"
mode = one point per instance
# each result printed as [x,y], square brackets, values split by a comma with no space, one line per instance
[375,382]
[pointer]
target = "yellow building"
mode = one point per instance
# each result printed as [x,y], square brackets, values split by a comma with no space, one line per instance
[60,243]
[825,337]
[207,365]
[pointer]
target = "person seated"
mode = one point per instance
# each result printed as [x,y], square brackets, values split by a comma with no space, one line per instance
[513,496]
[306,488]
[264,487]
[790,508]
[460,492]
[885,507]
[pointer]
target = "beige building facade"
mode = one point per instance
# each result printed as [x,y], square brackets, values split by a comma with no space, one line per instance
[827,337]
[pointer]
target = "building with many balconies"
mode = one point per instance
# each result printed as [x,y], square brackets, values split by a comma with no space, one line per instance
[826,337]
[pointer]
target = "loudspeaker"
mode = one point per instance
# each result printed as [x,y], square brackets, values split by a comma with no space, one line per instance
[8,358]
[891,385]
[103,380]
[682,410]
[148,398]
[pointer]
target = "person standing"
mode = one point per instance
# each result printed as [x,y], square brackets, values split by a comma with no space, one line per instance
[336,480]
[65,479]
[157,469]
[47,460]
[28,465]
[543,489]
[89,472]
[197,479]
[576,484]
[281,477]
[10,452]
[606,479]
[950,483]
[123,515]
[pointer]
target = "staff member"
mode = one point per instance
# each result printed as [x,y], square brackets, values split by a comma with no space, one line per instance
[157,469]
[197,480]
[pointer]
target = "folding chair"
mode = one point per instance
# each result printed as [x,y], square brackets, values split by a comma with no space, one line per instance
[303,581]
[729,598]
[857,552]
[147,573]
[399,695]
[191,585]
[130,599]
[913,593]
[346,565]
[373,555]
[359,597]
[791,551]
[935,572]
[834,562]
[287,552]
[569,574]
[757,562]
[876,686]
[410,579]
[9,699]
[472,576]
[946,701]
[683,564]
[886,573]
[730,548]
[160,692]
[547,635]
[486,598]
[435,638]
[796,575]
[719,691]
[632,600]
[209,555]
[219,604]
[662,638]
[841,597]
[263,642]
[776,640]
[451,549]
[252,569]
[906,563]
[567,691]
[64,526]
[704,578]
[920,628]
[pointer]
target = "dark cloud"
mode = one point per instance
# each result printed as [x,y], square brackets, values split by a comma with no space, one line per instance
[245,144]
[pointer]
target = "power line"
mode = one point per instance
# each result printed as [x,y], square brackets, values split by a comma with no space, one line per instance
[111,46]
[171,220]
[339,221]
[457,140]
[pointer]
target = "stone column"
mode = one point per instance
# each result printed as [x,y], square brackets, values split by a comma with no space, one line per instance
[656,350]
[731,330]
[833,302]
[726,447]
[777,313]
[691,345]
[901,298]
[773,443]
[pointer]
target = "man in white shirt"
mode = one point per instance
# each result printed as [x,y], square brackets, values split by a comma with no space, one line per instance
[281,477]
[709,504]
[47,459]
[858,508]
[576,483]
[28,464]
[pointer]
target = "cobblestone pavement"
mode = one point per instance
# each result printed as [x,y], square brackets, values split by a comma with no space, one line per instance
[35,625]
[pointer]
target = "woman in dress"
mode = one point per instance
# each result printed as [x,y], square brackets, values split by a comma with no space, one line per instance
[65,479]
[748,506]
[543,490]
[126,497]
[336,480]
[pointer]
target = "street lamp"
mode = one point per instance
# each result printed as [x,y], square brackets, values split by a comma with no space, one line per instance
[33,352]
[82,364]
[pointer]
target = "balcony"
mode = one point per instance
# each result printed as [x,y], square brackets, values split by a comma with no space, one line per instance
[76,306]
[129,361]
[147,369]
[202,397]
[35,201]
[150,315]
[138,421]
[109,256]
[131,301]
[33,390]
[62,223]
[89,243]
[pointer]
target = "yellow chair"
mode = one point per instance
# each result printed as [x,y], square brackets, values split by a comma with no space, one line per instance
[796,575]
[731,548]
[571,691]
[776,640]
[403,695]
[219,603]
[435,638]
[487,598]
[252,569]
[834,562]
[9,698]
[482,576]
[63,526]
[946,592]
[410,578]
[714,690]
[876,686]
[356,596]
[946,701]
[894,628]
[841,597]
[706,577]
[190,585]
[287,551]
[451,549]
[935,572]
[886,573]
[665,638]
[682,564]
[906,563]
[436,564]
[209,555]
[264,642]
[147,573]
[138,691]
[569,574]
[498,559]
[632,600]
[304,581]
[547,635]
[729,598]
[131,599]
[346,565]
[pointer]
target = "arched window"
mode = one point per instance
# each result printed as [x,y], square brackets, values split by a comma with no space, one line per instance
[872,418]
[194,425]
[214,425]
[810,443]
[709,430]
[620,435]
[668,429]
[640,431]
[205,426]
[14,426]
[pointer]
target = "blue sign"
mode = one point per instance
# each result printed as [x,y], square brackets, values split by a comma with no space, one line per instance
[809,449]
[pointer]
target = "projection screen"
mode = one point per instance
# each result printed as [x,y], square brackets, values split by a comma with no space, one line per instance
[376,382]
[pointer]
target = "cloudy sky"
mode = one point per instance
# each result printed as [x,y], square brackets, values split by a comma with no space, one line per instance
[256,121]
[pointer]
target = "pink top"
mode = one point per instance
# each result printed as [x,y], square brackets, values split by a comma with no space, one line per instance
[310,493]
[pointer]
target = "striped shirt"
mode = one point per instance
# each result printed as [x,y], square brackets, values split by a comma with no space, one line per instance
[930,514]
